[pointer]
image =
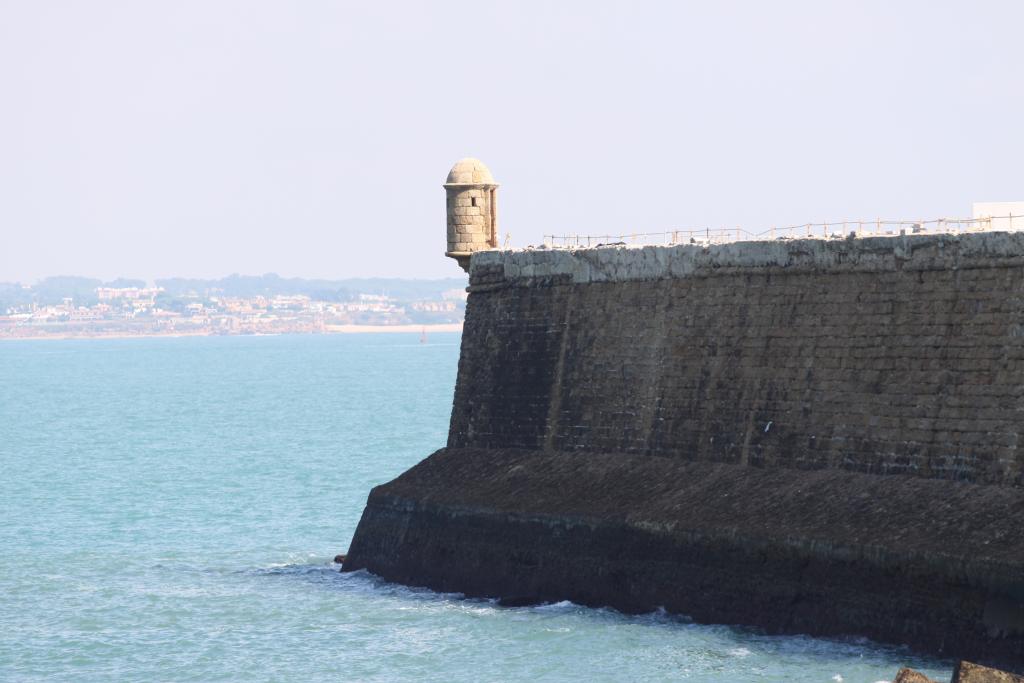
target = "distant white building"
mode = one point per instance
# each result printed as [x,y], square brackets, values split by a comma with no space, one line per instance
[133,293]
[1004,215]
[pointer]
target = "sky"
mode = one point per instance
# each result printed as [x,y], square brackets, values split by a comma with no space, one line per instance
[199,138]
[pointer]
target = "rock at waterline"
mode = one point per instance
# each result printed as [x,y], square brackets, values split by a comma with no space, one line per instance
[966,672]
[906,675]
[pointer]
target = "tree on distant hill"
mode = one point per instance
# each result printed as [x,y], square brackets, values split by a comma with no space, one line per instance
[271,284]
[125,283]
[53,290]
[12,294]
[171,302]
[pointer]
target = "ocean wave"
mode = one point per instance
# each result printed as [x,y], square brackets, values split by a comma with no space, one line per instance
[561,606]
[731,642]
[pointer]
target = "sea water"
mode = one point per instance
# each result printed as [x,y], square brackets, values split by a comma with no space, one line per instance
[170,508]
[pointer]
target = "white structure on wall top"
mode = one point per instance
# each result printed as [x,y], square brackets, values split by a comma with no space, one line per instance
[1003,215]
[472,210]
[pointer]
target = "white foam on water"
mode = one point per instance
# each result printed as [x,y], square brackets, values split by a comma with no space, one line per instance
[564,605]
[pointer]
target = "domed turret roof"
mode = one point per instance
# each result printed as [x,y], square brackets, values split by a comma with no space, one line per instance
[469,171]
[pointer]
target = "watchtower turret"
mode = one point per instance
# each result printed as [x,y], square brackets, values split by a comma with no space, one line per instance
[472,210]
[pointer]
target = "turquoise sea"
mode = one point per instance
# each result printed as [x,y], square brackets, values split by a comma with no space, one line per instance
[170,508]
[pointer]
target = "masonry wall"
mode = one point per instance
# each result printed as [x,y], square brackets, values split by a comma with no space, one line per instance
[888,355]
[808,437]
[470,215]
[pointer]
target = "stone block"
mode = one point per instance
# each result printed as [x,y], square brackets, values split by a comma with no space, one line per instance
[966,672]
[906,675]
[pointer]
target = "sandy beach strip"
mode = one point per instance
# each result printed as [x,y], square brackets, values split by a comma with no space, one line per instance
[358,329]
[328,329]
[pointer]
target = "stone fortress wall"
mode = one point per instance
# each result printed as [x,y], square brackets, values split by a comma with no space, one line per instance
[882,355]
[807,436]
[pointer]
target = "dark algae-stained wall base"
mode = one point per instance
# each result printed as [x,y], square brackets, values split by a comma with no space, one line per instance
[807,436]
[717,542]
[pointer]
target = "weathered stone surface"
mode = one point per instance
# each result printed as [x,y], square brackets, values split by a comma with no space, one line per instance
[806,354]
[472,211]
[910,676]
[811,436]
[469,171]
[826,551]
[824,257]
[966,672]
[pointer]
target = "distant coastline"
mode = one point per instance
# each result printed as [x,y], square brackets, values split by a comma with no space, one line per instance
[328,330]
[361,329]
[74,307]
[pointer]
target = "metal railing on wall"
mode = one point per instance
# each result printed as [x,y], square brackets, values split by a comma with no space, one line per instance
[830,230]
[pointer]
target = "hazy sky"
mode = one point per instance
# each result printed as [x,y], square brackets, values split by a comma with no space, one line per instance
[201,138]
